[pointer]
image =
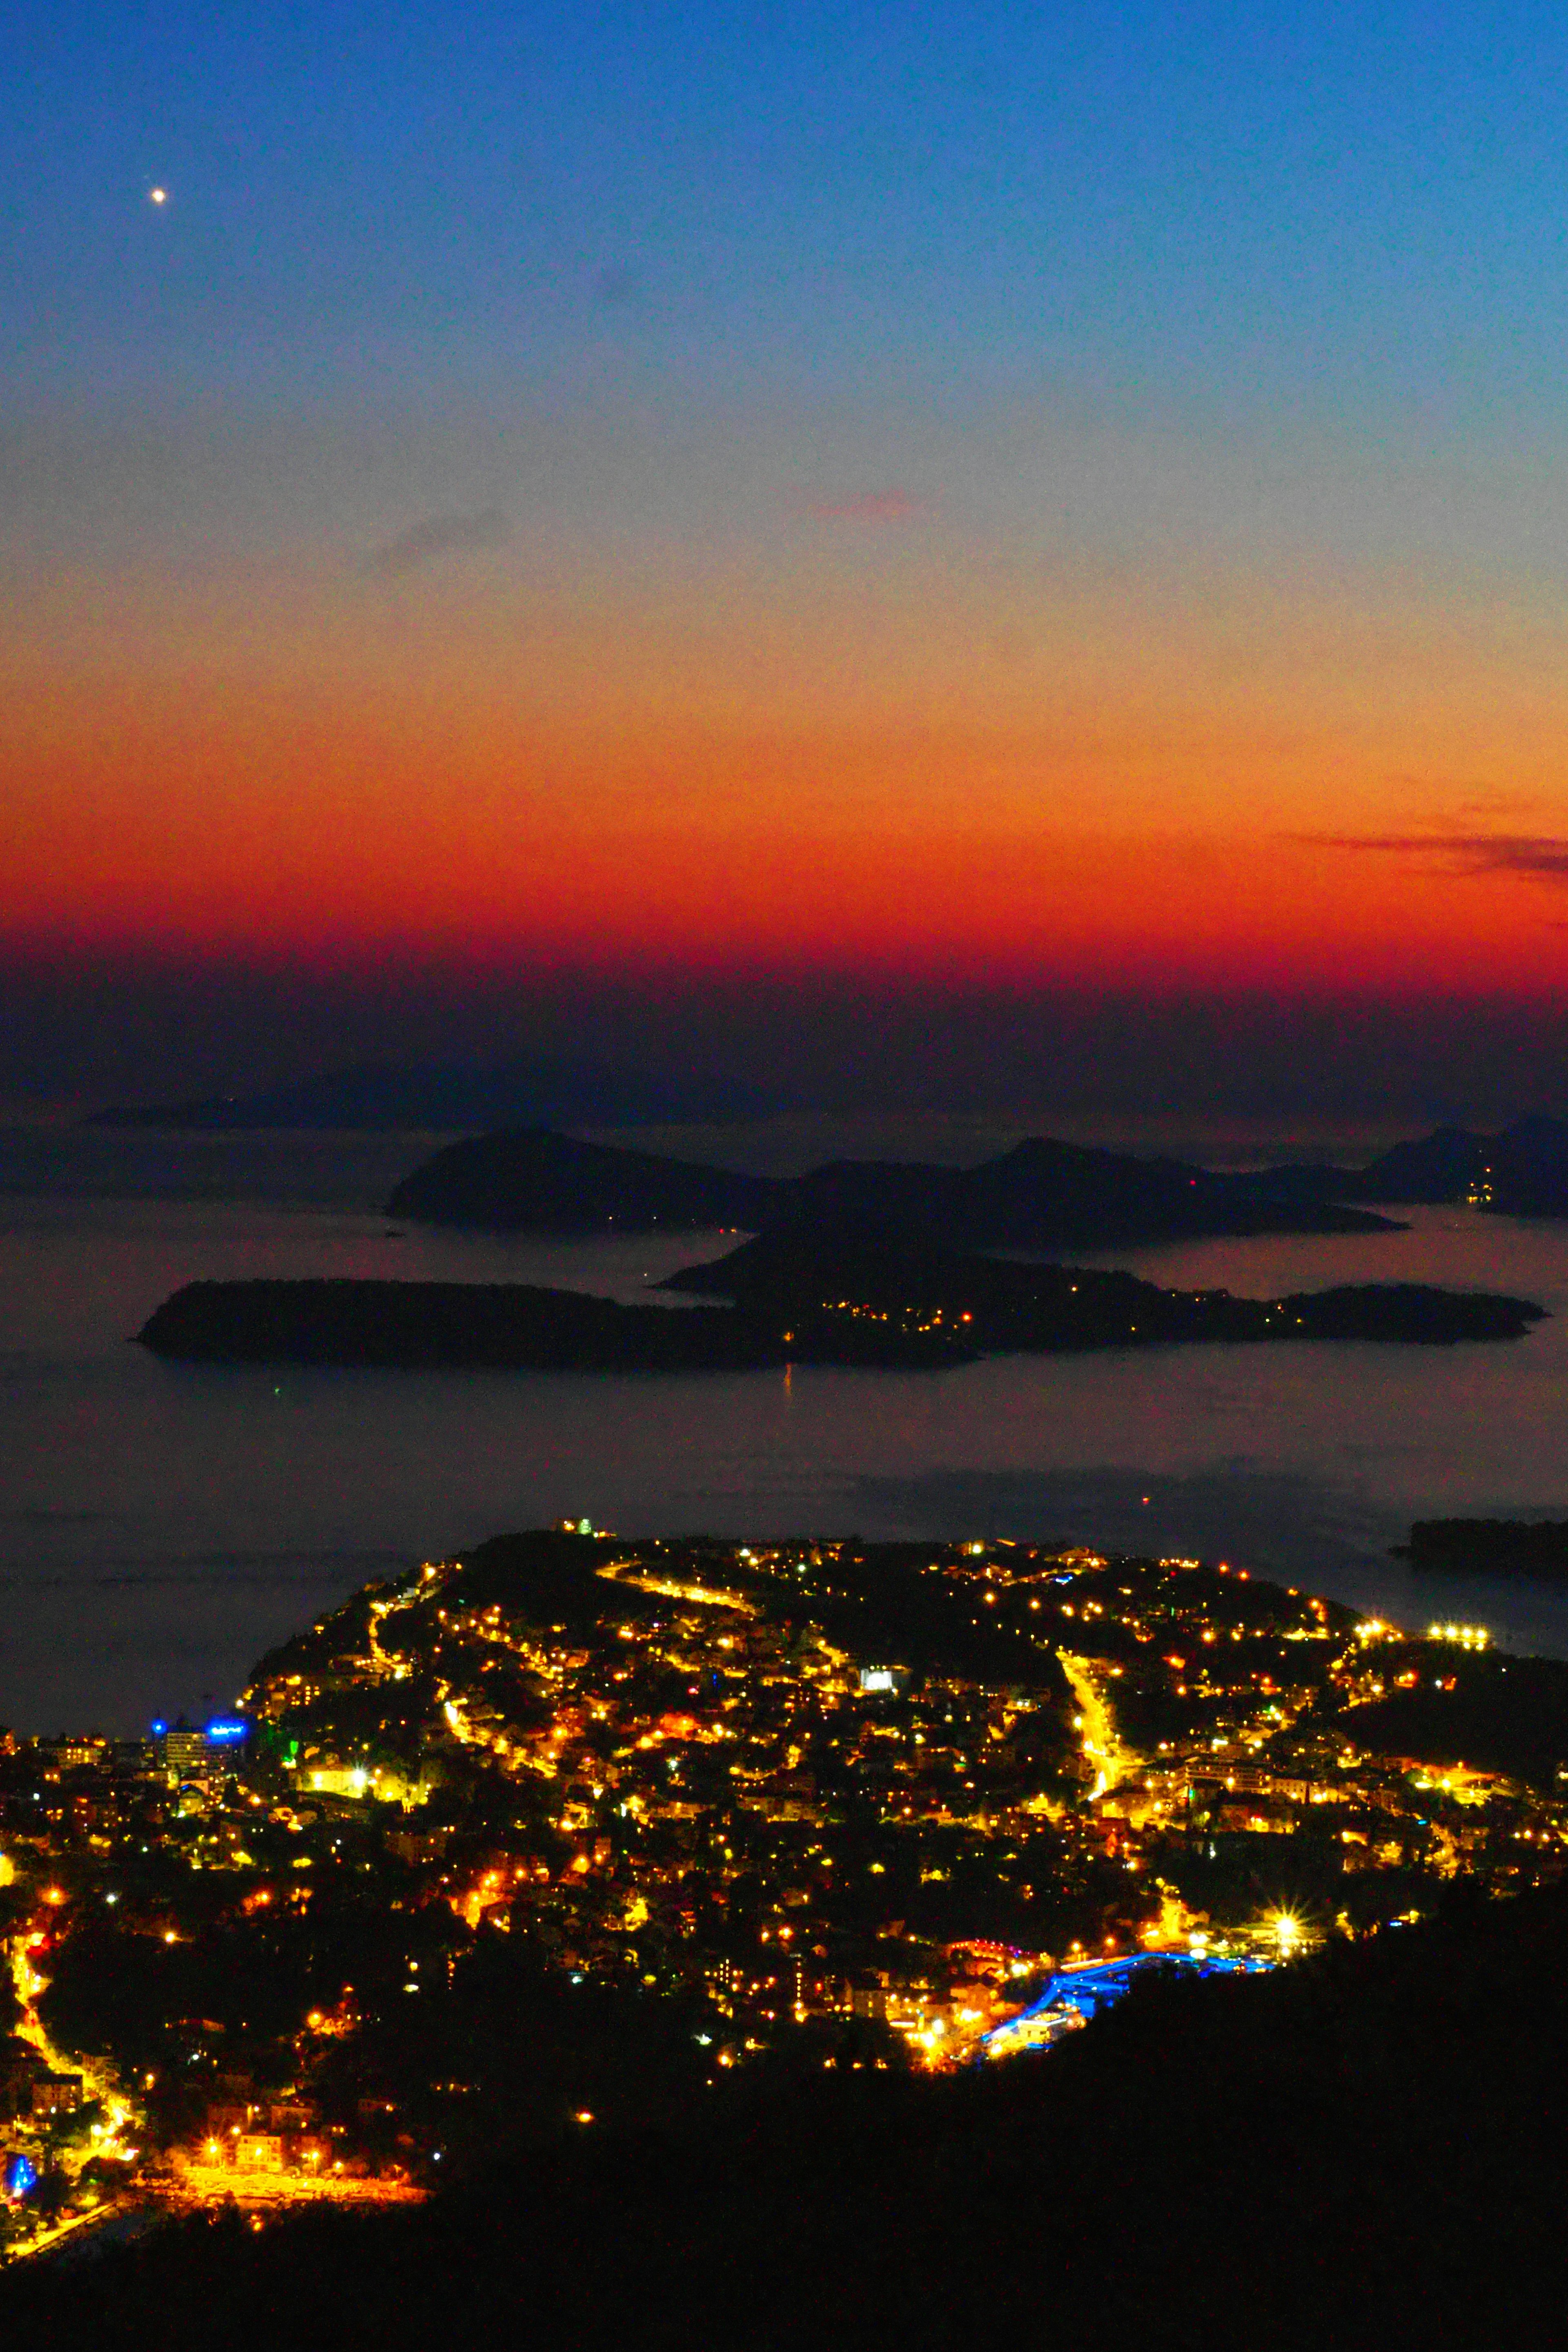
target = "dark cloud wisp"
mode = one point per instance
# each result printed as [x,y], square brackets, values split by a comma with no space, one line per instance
[435,536]
[617,283]
[1543,855]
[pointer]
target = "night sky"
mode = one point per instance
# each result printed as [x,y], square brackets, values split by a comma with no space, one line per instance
[799,530]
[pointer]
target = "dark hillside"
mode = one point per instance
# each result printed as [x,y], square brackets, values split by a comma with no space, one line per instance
[1369,2148]
[529,1180]
[1495,1713]
[1520,1171]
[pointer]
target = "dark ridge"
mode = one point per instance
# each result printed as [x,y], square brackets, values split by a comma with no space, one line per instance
[1040,1195]
[1489,1547]
[1439,1168]
[1046,1194]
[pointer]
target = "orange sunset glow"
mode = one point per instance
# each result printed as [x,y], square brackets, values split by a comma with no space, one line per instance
[1082,576]
[906,770]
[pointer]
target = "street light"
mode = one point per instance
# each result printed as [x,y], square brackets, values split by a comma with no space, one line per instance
[1287,1932]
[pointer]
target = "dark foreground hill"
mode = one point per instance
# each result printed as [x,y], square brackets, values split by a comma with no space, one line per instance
[1371,2147]
[1490,1711]
[1040,1195]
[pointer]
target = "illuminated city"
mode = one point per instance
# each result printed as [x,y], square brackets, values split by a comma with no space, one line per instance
[823,1804]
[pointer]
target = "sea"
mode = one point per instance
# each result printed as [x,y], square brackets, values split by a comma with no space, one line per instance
[163,1524]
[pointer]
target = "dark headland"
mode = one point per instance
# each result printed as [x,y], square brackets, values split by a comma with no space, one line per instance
[1521,1171]
[1489,1547]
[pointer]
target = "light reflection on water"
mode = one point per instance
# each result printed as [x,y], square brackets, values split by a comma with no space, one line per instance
[160,1525]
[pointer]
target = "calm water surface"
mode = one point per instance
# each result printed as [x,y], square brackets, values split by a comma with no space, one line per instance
[161,1525]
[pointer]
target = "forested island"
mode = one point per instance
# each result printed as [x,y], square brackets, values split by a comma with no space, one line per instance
[510,1325]
[793,1299]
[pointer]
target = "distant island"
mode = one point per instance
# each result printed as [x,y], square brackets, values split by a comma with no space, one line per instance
[513,1167]
[794,1300]
[454,1095]
[1040,1195]
[1489,1547]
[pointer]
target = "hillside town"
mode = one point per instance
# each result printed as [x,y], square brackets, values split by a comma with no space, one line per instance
[573,1825]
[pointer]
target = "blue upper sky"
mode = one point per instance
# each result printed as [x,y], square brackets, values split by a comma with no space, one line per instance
[1344,211]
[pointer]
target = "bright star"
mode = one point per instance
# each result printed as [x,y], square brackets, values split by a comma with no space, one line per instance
[157,195]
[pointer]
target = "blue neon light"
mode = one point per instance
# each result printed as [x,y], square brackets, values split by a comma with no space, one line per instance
[21,2175]
[158,1729]
[223,1730]
[1091,1986]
